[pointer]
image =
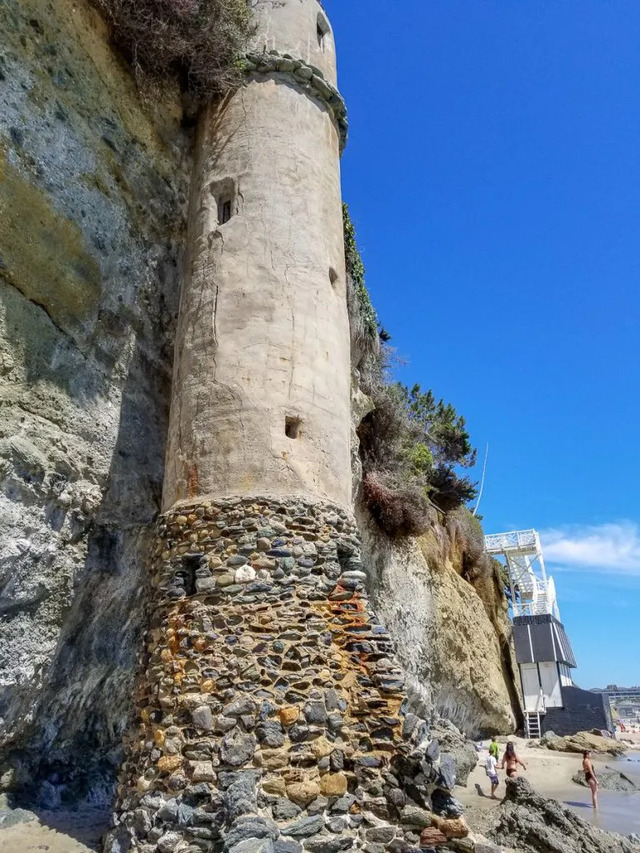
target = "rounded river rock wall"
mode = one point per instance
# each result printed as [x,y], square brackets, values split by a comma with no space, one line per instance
[270,713]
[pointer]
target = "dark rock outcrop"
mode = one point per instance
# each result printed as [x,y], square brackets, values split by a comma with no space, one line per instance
[533,824]
[609,780]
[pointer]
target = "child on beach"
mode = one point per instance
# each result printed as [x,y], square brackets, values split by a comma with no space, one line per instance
[494,749]
[491,769]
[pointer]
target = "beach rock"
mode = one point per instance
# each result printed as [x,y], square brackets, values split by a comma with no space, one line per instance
[608,780]
[532,824]
[581,741]
[454,743]
[451,827]
[432,837]
[445,805]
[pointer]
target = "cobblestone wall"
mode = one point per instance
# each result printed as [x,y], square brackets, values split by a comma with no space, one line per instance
[270,709]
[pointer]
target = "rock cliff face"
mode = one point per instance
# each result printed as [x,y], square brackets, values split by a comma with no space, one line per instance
[91,218]
[447,615]
[531,824]
[93,187]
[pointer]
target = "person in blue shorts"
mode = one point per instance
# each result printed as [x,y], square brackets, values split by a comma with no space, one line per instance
[491,769]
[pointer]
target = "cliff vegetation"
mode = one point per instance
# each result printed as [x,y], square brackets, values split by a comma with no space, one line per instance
[413,448]
[197,42]
[441,596]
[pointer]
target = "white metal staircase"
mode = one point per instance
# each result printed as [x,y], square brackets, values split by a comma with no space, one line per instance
[532,724]
[533,592]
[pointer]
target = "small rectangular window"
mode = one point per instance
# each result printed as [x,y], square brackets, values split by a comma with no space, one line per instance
[224,212]
[322,29]
[292,427]
[225,200]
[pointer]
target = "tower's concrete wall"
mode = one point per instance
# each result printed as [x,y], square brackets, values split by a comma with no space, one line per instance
[263,343]
[299,28]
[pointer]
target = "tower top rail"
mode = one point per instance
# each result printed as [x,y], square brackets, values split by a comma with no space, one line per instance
[524,541]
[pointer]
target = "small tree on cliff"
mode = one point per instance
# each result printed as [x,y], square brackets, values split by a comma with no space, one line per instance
[411,445]
[412,448]
[435,443]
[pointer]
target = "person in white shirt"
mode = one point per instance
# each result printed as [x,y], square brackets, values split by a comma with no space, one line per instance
[491,768]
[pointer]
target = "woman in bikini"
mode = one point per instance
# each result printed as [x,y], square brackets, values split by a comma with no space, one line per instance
[511,760]
[590,777]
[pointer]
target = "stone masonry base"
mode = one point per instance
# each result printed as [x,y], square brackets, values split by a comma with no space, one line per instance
[270,714]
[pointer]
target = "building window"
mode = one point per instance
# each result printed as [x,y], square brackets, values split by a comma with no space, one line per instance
[187,572]
[224,211]
[322,31]
[225,200]
[292,427]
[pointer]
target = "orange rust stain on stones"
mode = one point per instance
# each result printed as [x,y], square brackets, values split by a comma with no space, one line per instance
[346,617]
[192,482]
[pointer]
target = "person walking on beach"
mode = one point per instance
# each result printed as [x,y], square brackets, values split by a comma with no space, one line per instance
[590,777]
[491,769]
[494,749]
[511,760]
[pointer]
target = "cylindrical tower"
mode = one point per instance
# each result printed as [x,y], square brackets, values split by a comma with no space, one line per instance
[260,401]
[269,707]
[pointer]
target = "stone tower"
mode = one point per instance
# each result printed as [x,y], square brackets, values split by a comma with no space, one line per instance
[269,713]
[261,395]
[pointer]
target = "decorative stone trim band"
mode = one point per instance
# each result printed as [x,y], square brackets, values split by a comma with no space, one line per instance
[270,709]
[309,78]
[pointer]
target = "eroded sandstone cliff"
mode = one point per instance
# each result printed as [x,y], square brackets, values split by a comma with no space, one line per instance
[93,185]
[91,197]
[445,609]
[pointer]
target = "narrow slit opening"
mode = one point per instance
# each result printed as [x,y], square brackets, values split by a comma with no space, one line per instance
[292,427]
[224,211]
[187,572]
[322,29]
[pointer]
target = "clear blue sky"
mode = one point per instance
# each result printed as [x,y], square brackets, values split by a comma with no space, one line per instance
[493,173]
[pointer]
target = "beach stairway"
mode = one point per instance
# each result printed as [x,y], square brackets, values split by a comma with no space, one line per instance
[532,728]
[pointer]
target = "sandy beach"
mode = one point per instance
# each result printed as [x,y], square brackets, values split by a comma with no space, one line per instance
[550,774]
[53,832]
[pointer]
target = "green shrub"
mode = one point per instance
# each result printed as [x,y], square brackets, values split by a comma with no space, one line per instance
[412,442]
[412,446]
[363,320]
[197,42]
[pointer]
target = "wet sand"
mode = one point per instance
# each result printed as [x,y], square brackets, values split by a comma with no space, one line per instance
[550,774]
[52,832]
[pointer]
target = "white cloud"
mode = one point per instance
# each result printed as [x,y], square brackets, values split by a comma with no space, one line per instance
[605,548]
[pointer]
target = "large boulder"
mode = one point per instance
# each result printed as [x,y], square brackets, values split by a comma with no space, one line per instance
[533,824]
[454,743]
[584,740]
